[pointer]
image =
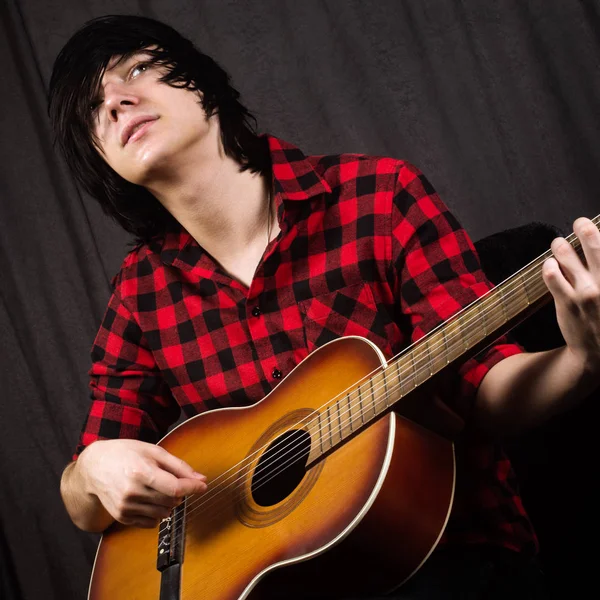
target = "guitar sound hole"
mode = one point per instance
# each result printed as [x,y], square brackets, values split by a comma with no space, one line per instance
[281,468]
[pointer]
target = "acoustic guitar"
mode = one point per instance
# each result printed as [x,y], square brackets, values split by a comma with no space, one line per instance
[328,487]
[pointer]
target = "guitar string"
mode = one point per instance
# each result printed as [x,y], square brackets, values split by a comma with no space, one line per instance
[206,500]
[264,467]
[238,484]
[356,385]
[257,472]
[404,351]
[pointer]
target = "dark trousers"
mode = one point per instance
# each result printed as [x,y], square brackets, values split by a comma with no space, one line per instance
[473,574]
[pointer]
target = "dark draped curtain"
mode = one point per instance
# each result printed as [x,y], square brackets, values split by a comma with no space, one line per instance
[496,101]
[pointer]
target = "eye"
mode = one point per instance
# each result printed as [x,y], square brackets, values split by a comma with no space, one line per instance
[95,105]
[139,67]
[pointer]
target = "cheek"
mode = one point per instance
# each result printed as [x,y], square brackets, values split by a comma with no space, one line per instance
[114,158]
[189,108]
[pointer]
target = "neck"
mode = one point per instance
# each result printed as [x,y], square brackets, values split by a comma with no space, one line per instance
[226,211]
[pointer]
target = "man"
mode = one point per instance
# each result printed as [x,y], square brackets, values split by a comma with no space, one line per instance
[240,239]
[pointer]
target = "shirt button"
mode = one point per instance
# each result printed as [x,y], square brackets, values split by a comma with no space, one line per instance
[256,312]
[277,374]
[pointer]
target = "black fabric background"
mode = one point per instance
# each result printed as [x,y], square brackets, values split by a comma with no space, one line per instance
[496,101]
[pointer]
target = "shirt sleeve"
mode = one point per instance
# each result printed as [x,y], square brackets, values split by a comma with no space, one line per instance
[437,273]
[130,398]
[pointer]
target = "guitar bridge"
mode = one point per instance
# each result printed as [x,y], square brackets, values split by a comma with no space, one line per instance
[170,539]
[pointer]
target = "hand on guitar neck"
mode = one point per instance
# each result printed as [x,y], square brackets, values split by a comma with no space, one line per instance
[133,482]
[555,380]
[575,285]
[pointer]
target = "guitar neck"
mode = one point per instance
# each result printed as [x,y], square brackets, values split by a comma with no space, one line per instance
[463,335]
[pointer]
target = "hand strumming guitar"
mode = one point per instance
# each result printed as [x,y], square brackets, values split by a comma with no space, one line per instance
[133,482]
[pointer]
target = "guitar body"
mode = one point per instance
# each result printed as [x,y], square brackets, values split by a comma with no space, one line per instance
[362,518]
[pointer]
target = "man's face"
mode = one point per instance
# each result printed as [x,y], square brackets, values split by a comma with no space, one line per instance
[143,125]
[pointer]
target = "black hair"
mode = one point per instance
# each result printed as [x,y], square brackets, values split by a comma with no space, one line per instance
[74,84]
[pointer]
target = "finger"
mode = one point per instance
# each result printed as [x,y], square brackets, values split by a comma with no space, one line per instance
[153,497]
[589,236]
[144,522]
[559,287]
[143,514]
[570,264]
[149,495]
[145,509]
[175,465]
[175,487]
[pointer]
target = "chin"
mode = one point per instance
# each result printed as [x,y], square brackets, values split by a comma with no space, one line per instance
[149,165]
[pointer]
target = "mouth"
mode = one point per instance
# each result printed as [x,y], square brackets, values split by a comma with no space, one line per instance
[134,131]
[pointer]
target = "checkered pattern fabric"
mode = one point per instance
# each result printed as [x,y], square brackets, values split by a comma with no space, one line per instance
[366,248]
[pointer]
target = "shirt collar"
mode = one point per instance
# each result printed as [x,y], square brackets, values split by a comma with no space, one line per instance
[294,176]
[294,179]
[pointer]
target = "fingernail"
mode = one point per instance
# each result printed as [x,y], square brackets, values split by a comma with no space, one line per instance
[199,475]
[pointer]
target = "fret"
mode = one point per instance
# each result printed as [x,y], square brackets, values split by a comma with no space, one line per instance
[516,299]
[419,375]
[350,415]
[501,292]
[334,430]
[446,349]
[534,283]
[466,331]
[346,416]
[373,403]
[320,429]
[453,340]
[524,288]
[437,350]
[366,404]
[361,408]
[340,421]
[469,330]
[491,309]
[326,431]
[422,361]
[392,383]
[385,388]
[482,320]
[427,367]
[415,369]
[312,423]
[379,389]
[405,381]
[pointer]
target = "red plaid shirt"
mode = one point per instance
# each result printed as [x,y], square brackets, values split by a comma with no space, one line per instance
[366,248]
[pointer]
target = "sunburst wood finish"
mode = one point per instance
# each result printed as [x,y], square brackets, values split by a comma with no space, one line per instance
[369,511]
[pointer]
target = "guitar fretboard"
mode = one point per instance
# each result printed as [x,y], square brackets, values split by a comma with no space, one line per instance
[467,332]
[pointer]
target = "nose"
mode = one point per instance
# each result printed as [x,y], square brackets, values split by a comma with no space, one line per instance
[117,99]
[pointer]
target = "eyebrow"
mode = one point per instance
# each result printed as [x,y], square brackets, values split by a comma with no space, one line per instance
[118,62]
